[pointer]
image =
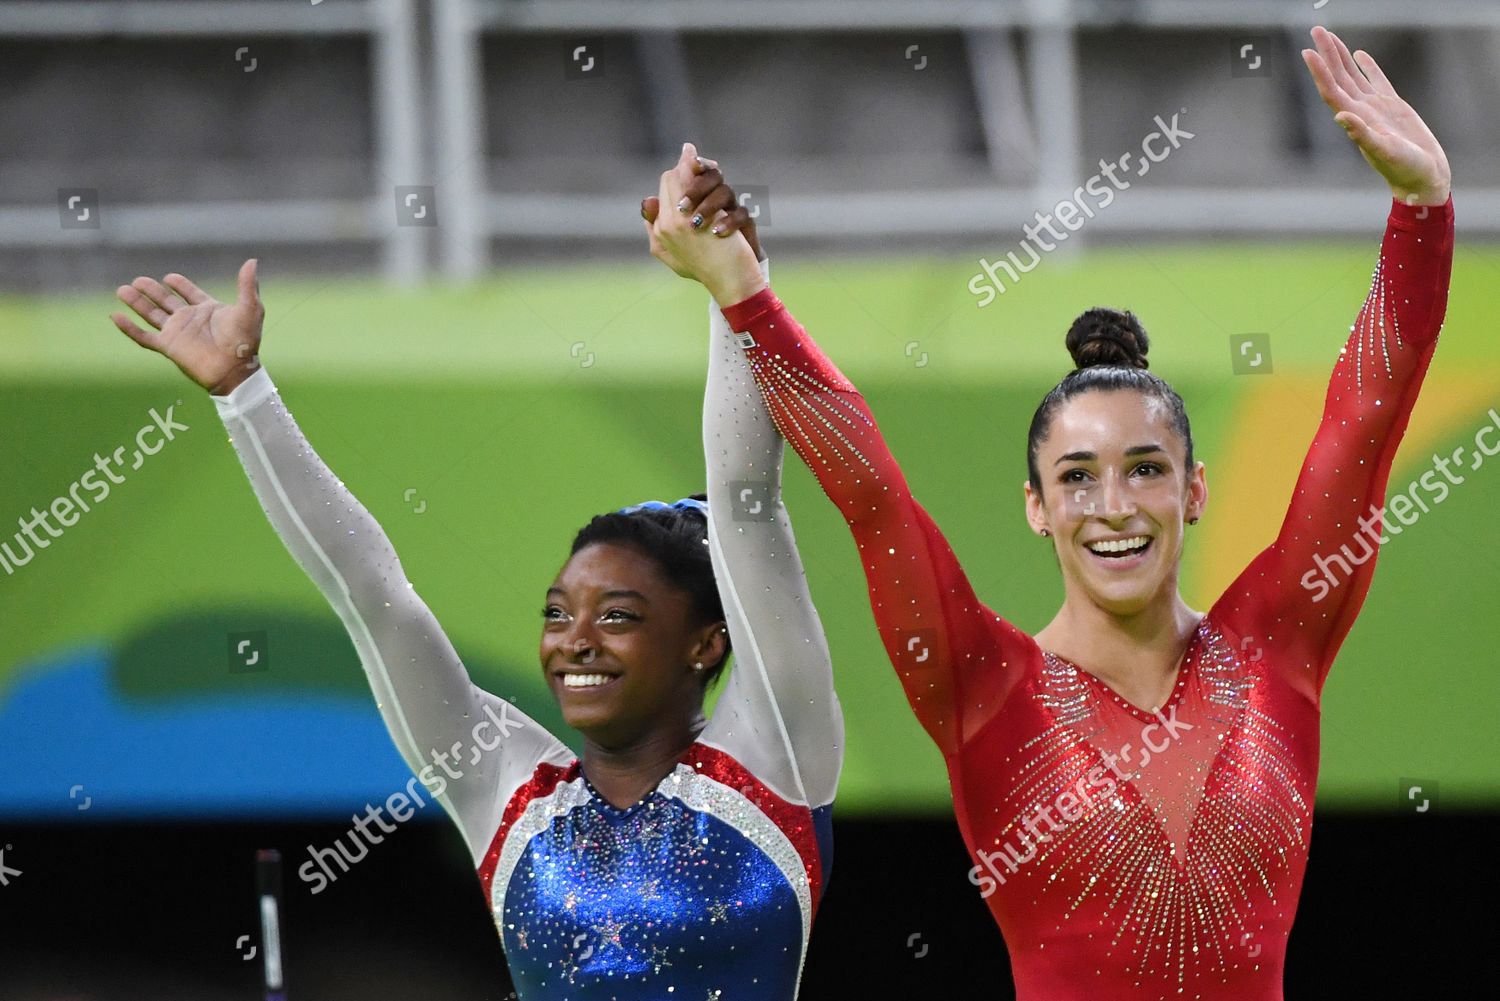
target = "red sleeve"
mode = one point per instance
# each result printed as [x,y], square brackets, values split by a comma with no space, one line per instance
[956,659]
[1302,593]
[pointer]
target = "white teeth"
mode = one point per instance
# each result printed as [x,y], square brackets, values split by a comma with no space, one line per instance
[1120,545]
[585,680]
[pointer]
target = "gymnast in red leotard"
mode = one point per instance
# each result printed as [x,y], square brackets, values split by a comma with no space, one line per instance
[1135,783]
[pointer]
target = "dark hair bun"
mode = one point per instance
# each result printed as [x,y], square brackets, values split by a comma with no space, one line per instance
[1108,337]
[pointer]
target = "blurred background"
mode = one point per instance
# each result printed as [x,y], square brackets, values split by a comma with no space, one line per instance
[461,313]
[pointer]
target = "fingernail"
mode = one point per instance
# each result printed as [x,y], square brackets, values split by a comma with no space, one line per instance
[685,204]
[684,149]
[717,230]
[697,219]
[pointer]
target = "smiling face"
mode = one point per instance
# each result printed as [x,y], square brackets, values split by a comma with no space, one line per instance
[1115,496]
[619,641]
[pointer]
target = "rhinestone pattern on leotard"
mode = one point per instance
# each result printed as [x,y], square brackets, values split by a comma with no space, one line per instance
[1172,908]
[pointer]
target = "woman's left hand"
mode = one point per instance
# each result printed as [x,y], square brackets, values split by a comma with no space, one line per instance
[1391,136]
[723,262]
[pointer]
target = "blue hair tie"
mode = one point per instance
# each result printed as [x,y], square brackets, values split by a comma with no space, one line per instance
[656,505]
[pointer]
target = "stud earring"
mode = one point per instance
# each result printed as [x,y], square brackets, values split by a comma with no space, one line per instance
[697,665]
[1046,532]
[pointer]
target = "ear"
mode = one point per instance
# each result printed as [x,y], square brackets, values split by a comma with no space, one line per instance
[710,645]
[1036,512]
[1197,490]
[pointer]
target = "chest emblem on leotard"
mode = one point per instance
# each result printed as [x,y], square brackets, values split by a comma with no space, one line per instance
[693,888]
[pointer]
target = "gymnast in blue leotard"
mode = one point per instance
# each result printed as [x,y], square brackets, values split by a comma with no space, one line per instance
[680,857]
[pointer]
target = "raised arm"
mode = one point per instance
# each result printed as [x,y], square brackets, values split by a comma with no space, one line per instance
[469,748]
[1305,590]
[955,658]
[474,746]
[779,714]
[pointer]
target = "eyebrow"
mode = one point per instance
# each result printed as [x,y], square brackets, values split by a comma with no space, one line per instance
[1091,456]
[617,593]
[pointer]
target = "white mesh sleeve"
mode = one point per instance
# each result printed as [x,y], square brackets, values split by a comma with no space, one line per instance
[440,722]
[778,715]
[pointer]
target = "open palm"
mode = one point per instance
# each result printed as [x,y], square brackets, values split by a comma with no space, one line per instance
[1391,136]
[214,343]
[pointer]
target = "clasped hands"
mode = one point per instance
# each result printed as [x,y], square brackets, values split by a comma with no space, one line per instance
[697,227]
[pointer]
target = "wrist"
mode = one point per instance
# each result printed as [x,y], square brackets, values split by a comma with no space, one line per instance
[1433,195]
[743,282]
[241,371]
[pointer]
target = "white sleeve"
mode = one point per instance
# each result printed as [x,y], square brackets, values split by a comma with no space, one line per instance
[778,715]
[470,748]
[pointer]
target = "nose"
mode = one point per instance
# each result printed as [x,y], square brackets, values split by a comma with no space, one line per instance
[1116,500]
[580,645]
[575,645]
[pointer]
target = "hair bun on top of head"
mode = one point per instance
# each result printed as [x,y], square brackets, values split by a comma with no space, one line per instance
[1104,336]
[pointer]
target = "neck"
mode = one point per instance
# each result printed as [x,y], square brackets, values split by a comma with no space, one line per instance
[1162,623]
[1137,651]
[625,772]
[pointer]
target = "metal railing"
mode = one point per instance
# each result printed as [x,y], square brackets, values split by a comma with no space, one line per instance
[390,25]
[1049,28]
[1014,95]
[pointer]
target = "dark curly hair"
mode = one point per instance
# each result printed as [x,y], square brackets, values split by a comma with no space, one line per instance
[1109,349]
[677,540]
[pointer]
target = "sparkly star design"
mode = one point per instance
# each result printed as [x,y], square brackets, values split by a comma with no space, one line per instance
[521,938]
[718,912]
[649,889]
[609,932]
[659,958]
[713,994]
[570,901]
[651,832]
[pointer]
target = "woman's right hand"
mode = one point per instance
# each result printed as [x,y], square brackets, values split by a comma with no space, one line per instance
[215,344]
[723,263]
[706,193]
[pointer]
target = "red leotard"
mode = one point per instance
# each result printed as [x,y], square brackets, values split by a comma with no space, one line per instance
[1130,855]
